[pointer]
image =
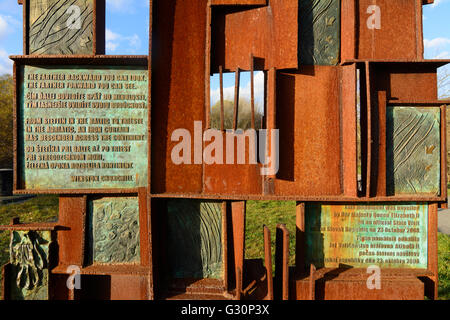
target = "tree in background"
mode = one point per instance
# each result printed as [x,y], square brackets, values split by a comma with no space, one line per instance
[6,121]
[244,115]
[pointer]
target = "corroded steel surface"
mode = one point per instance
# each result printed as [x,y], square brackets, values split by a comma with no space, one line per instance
[318,109]
[271,36]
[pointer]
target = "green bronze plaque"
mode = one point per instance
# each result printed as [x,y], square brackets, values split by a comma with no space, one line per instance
[83,127]
[319,24]
[62,27]
[413,150]
[360,235]
[29,257]
[195,239]
[114,231]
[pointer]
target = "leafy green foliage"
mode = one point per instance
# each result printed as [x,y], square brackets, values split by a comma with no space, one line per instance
[6,121]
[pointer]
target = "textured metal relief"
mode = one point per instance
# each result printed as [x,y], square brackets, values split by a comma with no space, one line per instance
[29,252]
[115,230]
[319,32]
[195,239]
[413,150]
[61,27]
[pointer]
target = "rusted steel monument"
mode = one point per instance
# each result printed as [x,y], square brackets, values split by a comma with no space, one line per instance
[348,97]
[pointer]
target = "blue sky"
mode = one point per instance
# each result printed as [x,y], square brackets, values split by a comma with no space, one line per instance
[127,32]
[127,25]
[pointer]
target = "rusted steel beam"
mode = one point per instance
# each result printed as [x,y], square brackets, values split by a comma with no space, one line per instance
[72,246]
[252,90]
[349,130]
[238,223]
[397,35]
[381,145]
[271,34]
[310,124]
[348,30]
[236,98]
[339,198]
[312,282]
[238,2]
[208,66]
[238,295]
[225,246]
[300,244]
[369,130]
[173,57]
[268,262]
[281,287]
[419,28]
[400,288]
[222,117]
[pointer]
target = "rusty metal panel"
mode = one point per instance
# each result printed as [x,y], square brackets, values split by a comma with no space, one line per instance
[413,150]
[234,177]
[61,147]
[271,35]
[238,2]
[359,235]
[396,35]
[407,82]
[128,287]
[354,287]
[308,117]
[349,130]
[319,25]
[176,102]
[72,215]
[348,30]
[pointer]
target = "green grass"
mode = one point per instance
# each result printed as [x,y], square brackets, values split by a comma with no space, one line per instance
[269,213]
[444,266]
[38,209]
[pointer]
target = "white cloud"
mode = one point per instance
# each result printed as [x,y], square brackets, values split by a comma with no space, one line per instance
[443,55]
[6,64]
[436,3]
[8,25]
[436,42]
[3,27]
[244,91]
[114,40]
